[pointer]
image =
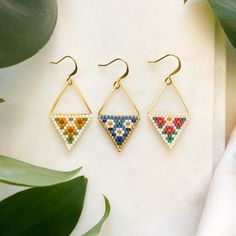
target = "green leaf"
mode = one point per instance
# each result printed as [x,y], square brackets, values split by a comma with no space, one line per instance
[2,100]
[225,11]
[48,211]
[97,228]
[25,26]
[21,173]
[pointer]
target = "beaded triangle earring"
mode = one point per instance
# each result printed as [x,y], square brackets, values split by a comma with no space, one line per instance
[119,127]
[169,125]
[70,126]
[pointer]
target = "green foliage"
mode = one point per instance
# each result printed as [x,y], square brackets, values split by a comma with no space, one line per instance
[225,12]
[21,173]
[2,100]
[97,228]
[47,211]
[25,26]
[43,210]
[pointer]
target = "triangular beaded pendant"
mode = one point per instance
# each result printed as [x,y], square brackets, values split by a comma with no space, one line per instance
[119,127]
[169,126]
[70,126]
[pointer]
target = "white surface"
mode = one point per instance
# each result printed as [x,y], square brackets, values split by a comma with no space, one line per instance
[219,129]
[231,88]
[219,214]
[152,191]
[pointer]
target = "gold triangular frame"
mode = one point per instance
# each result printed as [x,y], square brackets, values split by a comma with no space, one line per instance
[70,82]
[116,86]
[151,110]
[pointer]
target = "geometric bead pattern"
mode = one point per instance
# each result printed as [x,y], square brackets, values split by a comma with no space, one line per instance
[119,127]
[70,126]
[169,126]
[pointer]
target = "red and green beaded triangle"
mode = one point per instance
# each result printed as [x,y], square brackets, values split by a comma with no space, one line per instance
[70,126]
[119,127]
[169,126]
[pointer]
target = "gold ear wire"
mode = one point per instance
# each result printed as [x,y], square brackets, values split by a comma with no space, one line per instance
[74,71]
[117,82]
[168,80]
[117,85]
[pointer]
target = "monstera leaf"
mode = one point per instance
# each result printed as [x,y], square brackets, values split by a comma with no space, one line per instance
[52,210]
[225,12]
[25,26]
[17,172]
[97,228]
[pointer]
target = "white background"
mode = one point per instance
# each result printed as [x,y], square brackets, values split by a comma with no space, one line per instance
[153,191]
[231,88]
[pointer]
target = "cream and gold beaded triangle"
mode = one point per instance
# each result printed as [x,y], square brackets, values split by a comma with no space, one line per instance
[169,125]
[70,126]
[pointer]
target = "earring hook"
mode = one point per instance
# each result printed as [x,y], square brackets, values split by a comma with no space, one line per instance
[168,80]
[75,70]
[117,83]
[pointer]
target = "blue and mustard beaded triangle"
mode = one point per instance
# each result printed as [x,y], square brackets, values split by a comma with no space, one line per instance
[70,126]
[169,126]
[119,127]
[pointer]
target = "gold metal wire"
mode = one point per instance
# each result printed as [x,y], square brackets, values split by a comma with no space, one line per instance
[76,67]
[168,81]
[70,82]
[118,83]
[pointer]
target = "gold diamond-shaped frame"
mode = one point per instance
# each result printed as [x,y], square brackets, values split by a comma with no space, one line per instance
[70,82]
[118,84]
